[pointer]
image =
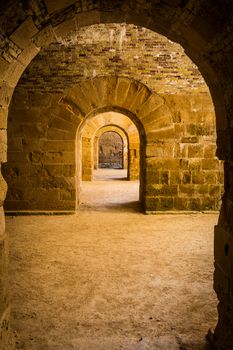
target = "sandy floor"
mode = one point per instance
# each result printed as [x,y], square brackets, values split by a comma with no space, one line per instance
[110,277]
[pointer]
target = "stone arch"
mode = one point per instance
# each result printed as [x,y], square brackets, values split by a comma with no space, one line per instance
[105,97]
[130,138]
[197,26]
[169,178]
[124,138]
[119,146]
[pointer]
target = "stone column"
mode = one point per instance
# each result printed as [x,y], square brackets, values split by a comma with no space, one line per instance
[223,275]
[6,337]
[87,162]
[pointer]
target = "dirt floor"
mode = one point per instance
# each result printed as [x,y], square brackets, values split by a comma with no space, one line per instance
[109,277]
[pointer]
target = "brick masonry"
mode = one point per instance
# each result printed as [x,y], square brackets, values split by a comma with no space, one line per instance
[179,170]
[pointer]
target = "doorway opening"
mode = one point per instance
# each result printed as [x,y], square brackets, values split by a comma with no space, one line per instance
[111,165]
[110,151]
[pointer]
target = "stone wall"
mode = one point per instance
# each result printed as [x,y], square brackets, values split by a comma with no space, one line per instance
[183,171]
[113,49]
[179,170]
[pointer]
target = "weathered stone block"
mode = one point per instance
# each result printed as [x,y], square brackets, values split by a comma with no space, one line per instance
[209,203]
[16,143]
[189,139]
[59,157]
[54,5]
[180,150]
[157,119]
[195,151]
[64,125]
[194,204]
[152,204]
[166,203]
[220,177]
[88,18]
[184,164]
[4,66]
[38,99]
[3,146]
[56,146]
[55,134]
[3,191]
[152,177]
[210,164]
[164,177]
[159,150]
[198,177]
[199,130]
[186,177]
[3,117]
[209,151]
[28,54]
[155,135]
[67,194]
[186,190]
[181,203]
[65,28]
[215,191]
[2,222]
[23,34]
[163,164]
[6,92]
[202,189]
[175,177]
[44,37]
[17,157]
[210,177]
[161,190]
[14,73]
[153,103]
[56,182]
[194,164]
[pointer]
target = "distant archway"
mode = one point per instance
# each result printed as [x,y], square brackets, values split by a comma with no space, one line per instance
[125,144]
[110,151]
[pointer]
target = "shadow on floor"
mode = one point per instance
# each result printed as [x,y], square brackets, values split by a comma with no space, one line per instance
[117,207]
[112,178]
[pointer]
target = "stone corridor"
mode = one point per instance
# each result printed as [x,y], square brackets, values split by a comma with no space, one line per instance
[109,277]
[159,74]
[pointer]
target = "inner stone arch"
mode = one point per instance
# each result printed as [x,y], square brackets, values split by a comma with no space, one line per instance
[87,140]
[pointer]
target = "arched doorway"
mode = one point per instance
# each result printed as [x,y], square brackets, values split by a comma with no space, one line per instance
[125,145]
[132,148]
[110,151]
[182,30]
